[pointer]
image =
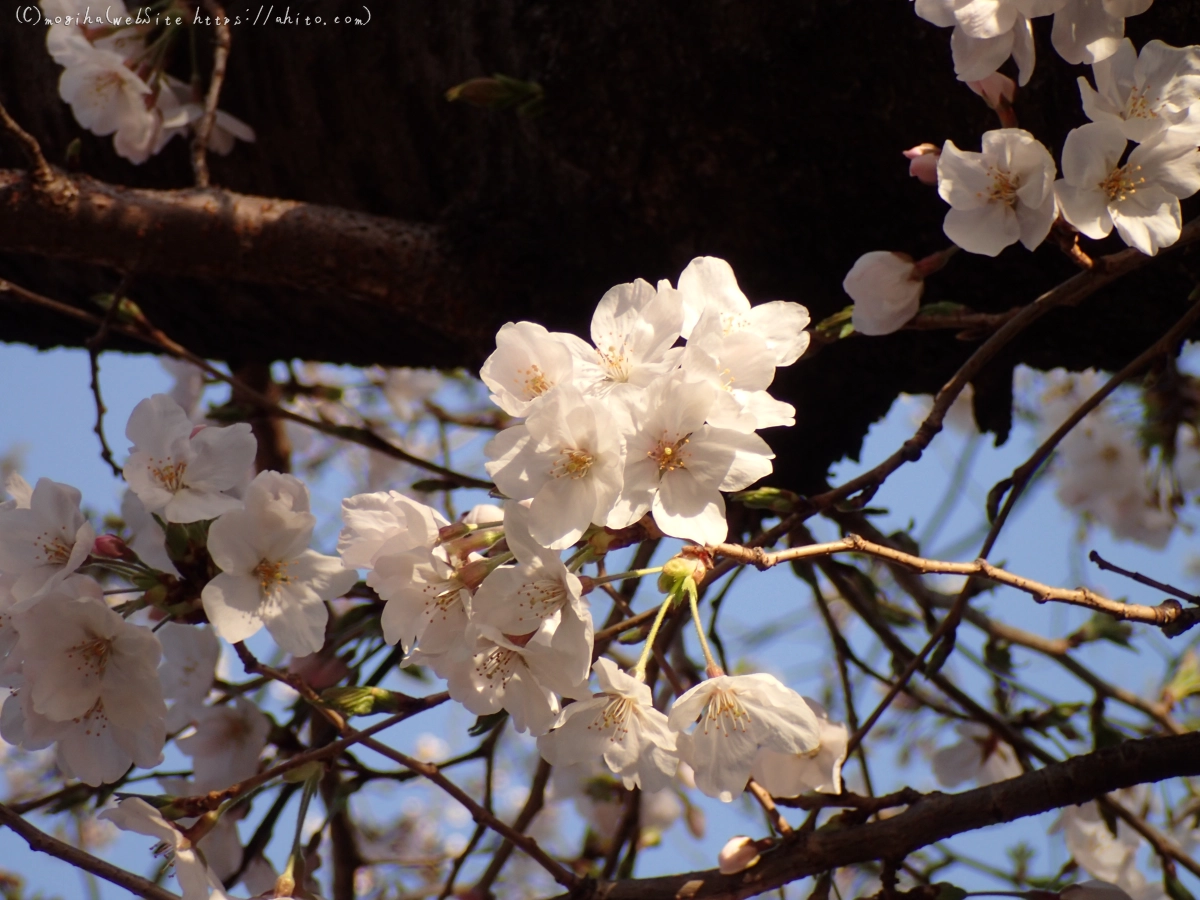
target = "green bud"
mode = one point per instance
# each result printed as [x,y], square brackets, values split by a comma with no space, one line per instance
[361,701]
[777,500]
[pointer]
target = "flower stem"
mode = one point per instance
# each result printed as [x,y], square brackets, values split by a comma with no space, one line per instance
[285,885]
[639,671]
[713,669]
[621,576]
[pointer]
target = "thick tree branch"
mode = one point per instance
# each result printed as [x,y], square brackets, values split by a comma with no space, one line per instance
[933,818]
[221,235]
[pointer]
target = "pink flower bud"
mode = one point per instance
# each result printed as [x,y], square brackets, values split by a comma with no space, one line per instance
[472,574]
[923,160]
[738,854]
[111,546]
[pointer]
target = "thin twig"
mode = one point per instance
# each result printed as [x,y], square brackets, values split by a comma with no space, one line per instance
[1169,612]
[1106,566]
[94,345]
[1071,292]
[40,841]
[43,175]
[767,802]
[205,126]
[515,835]
[147,333]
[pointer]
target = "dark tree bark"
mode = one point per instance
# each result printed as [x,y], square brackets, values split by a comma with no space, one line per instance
[765,132]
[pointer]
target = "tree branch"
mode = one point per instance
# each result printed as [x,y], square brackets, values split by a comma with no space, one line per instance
[1169,612]
[935,817]
[43,843]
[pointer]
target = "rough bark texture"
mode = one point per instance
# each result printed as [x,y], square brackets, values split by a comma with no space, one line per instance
[766,132]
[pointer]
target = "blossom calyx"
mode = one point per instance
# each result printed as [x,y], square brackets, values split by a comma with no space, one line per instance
[687,567]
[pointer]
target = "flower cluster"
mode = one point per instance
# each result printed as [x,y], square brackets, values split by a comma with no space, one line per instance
[631,423]
[115,85]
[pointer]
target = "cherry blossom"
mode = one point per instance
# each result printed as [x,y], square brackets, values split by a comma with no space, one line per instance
[741,367]
[567,458]
[738,716]
[146,536]
[226,744]
[45,542]
[181,472]
[488,671]
[619,724]
[135,814]
[676,465]
[385,523]
[633,329]
[407,389]
[708,284]
[268,575]
[987,32]
[538,594]
[979,756]
[1000,195]
[528,362]
[886,291]
[1140,198]
[88,681]
[1146,93]
[190,655]
[426,599]
[1088,31]
[791,774]
[739,853]
[108,97]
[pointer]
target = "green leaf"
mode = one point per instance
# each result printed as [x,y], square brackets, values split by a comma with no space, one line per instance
[1175,889]
[484,724]
[1102,627]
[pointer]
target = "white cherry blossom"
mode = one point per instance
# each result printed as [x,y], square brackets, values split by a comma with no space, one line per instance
[426,599]
[987,32]
[135,814]
[677,466]
[708,283]
[633,329]
[385,523]
[979,756]
[407,389]
[741,368]
[146,537]
[108,97]
[567,458]
[226,744]
[487,672]
[1146,93]
[738,716]
[45,542]
[791,774]
[538,594]
[1000,195]
[886,291]
[528,362]
[1088,31]
[1140,197]
[268,575]
[181,471]
[619,724]
[190,655]
[88,681]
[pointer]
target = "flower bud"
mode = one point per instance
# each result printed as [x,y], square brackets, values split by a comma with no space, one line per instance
[112,547]
[472,574]
[923,160]
[361,701]
[998,91]
[886,289]
[738,854]
[777,500]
